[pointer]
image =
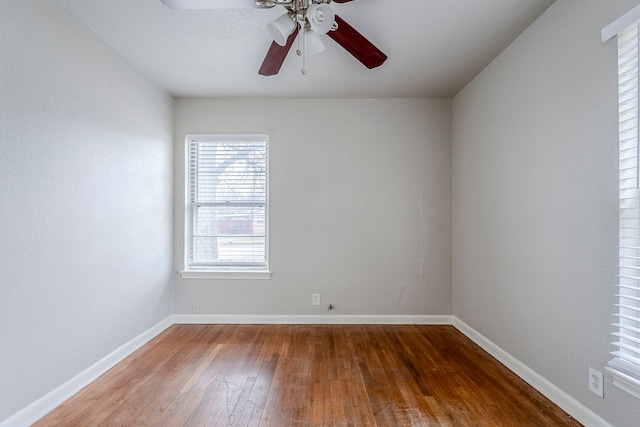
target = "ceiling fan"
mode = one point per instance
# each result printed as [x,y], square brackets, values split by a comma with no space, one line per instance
[309,17]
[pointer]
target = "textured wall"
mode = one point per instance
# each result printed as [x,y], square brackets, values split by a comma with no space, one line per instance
[535,200]
[85,201]
[360,205]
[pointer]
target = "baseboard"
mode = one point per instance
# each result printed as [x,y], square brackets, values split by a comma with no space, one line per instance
[570,405]
[51,400]
[355,319]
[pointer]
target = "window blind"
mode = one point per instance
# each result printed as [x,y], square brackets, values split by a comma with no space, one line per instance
[626,363]
[227,203]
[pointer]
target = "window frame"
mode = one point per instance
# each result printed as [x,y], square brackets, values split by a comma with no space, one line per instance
[223,271]
[625,367]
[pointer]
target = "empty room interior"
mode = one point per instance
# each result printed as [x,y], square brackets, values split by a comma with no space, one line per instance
[440,171]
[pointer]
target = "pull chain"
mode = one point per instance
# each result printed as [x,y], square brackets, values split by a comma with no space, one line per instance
[304,51]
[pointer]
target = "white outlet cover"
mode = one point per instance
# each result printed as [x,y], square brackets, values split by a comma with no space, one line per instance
[596,382]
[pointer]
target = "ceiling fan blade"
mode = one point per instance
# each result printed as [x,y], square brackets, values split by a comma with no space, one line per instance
[276,56]
[357,45]
[209,4]
[341,1]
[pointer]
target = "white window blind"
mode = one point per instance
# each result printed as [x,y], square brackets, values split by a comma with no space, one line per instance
[227,196]
[625,367]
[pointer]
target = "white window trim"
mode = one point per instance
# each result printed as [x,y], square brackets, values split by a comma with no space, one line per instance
[612,30]
[224,273]
[623,381]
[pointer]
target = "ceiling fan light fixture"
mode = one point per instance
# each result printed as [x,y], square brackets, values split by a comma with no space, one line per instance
[320,17]
[281,28]
[313,43]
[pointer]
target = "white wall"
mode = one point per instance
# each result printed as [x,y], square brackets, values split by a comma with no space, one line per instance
[360,206]
[535,200]
[85,201]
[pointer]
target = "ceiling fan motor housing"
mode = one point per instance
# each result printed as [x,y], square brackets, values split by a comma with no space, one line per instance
[265,3]
[295,5]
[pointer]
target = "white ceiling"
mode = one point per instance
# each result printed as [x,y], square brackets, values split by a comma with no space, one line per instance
[435,47]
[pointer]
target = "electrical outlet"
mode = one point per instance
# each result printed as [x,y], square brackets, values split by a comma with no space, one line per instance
[596,382]
[315,299]
[195,308]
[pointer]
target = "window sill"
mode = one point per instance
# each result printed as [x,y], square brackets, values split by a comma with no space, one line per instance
[239,275]
[624,382]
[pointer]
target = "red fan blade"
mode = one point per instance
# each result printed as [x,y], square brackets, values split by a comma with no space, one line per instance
[357,45]
[276,55]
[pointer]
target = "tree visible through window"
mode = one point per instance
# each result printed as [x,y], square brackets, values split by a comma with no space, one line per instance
[227,196]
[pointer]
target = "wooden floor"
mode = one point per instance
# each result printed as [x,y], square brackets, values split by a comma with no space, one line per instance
[303,375]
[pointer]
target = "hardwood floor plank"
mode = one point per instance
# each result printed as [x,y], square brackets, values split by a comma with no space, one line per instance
[309,375]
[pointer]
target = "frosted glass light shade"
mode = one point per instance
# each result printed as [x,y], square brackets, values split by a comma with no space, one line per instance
[312,43]
[320,17]
[281,28]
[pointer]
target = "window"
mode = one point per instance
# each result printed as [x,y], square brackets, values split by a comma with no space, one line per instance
[226,218]
[625,366]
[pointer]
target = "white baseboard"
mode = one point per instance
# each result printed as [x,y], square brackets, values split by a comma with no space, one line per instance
[51,400]
[356,319]
[570,405]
